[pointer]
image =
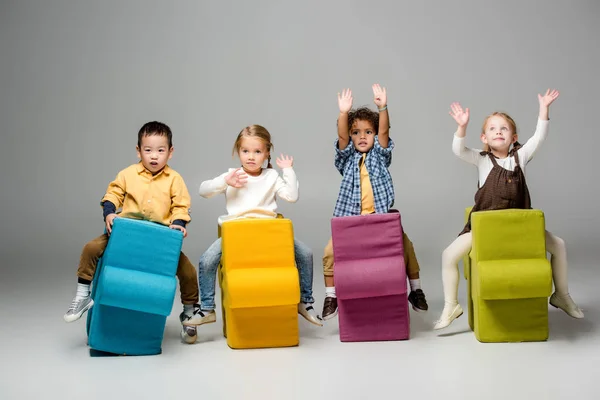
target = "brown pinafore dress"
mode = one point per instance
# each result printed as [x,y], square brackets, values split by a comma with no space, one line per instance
[502,189]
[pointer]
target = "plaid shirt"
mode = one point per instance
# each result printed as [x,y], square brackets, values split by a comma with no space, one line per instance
[377,162]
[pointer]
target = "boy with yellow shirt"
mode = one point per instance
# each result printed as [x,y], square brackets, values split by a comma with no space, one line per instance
[363,155]
[149,190]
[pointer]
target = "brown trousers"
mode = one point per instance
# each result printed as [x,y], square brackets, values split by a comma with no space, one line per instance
[93,250]
[410,259]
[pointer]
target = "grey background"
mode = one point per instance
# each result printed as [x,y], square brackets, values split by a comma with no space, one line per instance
[78,79]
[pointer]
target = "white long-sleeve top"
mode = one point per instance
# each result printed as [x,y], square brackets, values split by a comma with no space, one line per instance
[485,165]
[257,199]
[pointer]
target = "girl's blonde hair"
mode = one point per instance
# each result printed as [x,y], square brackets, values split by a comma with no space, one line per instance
[508,119]
[255,131]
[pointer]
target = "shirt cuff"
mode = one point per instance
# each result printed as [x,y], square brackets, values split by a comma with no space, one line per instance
[108,208]
[179,222]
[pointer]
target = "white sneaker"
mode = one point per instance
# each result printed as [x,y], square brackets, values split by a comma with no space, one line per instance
[566,303]
[200,317]
[308,312]
[449,314]
[188,333]
[79,305]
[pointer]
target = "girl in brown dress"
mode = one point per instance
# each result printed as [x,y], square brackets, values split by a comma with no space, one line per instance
[501,167]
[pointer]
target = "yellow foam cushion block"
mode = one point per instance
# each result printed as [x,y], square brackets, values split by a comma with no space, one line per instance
[513,279]
[262,327]
[261,287]
[257,243]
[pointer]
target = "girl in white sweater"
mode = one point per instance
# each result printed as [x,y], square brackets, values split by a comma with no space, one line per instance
[501,185]
[251,192]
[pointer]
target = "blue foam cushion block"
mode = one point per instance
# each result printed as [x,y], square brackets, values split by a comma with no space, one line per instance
[133,288]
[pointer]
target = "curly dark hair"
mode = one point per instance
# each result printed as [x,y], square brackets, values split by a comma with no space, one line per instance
[364,114]
[155,128]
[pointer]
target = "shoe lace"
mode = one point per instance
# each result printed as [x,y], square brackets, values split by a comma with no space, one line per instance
[74,304]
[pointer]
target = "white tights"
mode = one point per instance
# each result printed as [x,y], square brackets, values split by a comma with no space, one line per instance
[462,246]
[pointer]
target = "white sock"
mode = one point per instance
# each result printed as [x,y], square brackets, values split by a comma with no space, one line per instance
[414,284]
[330,291]
[188,309]
[83,291]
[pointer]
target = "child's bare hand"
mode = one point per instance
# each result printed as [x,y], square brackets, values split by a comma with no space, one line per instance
[460,116]
[380,96]
[179,228]
[548,98]
[345,100]
[109,222]
[284,161]
[237,178]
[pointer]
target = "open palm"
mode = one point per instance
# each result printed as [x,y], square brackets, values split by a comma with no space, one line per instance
[460,116]
[345,100]
[548,98]
[380,96]
[284,161]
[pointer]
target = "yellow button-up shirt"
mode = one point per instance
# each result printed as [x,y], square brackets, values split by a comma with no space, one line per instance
[161,198]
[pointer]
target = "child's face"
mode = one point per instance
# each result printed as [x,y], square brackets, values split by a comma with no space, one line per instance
[498,134]
[154,152]
[253,153]
[362,134]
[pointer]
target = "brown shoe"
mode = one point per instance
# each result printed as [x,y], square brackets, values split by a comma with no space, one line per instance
[330,308]
[417,299]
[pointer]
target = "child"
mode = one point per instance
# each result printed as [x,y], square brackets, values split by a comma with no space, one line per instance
[502,171]
[250,192]
[152,191]
[363,153]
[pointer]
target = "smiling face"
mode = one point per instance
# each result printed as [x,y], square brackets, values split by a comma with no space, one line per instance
[362,134]
[499,133]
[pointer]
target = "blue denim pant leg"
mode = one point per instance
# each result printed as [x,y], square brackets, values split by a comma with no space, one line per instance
[304,263]
[207,275]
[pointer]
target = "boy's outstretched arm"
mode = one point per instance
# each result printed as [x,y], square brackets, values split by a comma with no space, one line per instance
[380,99]
[345,104]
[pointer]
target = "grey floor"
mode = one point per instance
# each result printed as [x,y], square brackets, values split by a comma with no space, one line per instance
[44,356]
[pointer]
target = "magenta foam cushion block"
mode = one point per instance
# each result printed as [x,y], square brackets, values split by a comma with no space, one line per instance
[370,277]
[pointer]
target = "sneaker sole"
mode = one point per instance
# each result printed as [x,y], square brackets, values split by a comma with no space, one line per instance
[188,323]
[75,317]
[317,323]
[417,309]
[188,339]
[327,318]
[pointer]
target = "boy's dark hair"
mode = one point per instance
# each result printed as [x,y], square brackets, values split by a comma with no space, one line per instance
[364,114]
[155,128]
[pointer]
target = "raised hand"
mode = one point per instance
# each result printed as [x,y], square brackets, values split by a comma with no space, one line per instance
[236,178]
[548,98]
[284,161]
[345,100]
[460,116]
[380,96]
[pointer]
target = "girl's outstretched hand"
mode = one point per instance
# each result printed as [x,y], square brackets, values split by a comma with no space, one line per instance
[284,161]
[380,96]
[236,178]
[460,116]
[548,98]
[345,100]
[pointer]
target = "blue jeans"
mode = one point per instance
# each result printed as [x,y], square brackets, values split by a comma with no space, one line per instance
[209,262]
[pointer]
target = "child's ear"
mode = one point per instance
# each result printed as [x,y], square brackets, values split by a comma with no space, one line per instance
[515,138]
[137,150]
[171,152]
[483,138]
